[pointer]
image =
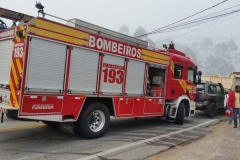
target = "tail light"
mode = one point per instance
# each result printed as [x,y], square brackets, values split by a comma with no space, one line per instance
[1,98]
[206,96]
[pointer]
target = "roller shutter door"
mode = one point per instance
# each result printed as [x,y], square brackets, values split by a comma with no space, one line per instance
[5,60]
[135,77]
[83,71]
[46,65]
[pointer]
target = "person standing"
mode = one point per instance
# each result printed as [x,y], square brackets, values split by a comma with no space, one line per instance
[234,103]
[226,105]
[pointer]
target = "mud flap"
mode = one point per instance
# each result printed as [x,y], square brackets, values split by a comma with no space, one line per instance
[2,116]
[67,127]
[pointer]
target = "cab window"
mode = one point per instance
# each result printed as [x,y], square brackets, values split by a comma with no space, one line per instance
[178,71]
[191,75]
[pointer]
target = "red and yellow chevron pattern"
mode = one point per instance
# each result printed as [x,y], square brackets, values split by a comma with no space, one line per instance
[16,68]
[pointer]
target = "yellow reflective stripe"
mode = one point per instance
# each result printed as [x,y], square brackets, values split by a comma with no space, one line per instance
[155,54]
[58,36]
[19,65]
[154,60]
[183,85]
[13,94]
[60,29]
[14,73]
[172,67]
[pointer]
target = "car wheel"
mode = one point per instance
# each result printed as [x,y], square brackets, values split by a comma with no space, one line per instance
[210,110]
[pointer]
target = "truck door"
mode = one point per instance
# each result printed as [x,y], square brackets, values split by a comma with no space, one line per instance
[155,90]
[220,96]
[176,88]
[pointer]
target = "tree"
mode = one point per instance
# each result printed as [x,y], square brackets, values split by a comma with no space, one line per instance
[207,43]
[232,48]
[220,62]
[189,52]
[151,43]
[159,43]
[192,54]
[140,31]
[124,29]
[195,45]
[236,58]
[232,45]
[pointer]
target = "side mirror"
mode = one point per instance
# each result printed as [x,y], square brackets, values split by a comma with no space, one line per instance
[199,76]
[200,73]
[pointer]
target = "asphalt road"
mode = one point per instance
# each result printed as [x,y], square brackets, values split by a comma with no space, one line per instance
[125,139]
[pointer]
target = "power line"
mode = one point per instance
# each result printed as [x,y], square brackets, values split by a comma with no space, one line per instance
[198,29]
[207,15]
[196,22]
[217,12]
[185,18]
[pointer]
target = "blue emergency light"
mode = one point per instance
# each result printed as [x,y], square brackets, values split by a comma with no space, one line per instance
[2,25]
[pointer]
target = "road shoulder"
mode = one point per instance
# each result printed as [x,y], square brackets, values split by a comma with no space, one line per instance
[221,144]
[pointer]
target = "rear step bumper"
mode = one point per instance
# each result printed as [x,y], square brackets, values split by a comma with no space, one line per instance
[5,109]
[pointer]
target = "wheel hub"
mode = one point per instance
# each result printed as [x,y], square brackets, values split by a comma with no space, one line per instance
[96,121]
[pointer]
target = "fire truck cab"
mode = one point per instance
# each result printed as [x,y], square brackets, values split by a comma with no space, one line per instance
[80,74]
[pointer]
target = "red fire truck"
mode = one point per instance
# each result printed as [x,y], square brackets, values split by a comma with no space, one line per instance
[80,74]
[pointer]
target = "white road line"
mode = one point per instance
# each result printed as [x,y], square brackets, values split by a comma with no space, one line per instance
[141,142]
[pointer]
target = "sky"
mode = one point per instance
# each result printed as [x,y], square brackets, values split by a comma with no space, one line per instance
[150,14]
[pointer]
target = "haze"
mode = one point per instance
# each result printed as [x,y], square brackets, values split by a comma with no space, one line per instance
[150,14]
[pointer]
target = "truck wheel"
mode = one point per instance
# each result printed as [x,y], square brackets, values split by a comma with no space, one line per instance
[210,110]
[180,114]
[93,120]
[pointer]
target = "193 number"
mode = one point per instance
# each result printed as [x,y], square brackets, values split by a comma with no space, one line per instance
[18,52]
[113,76]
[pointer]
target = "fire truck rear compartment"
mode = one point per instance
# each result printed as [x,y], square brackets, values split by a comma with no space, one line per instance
[5,67]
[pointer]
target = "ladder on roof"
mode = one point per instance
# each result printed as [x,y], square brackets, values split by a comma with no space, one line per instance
[15,16]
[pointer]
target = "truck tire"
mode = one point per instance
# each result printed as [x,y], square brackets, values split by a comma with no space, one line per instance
[210,110]
[93,120]
[180,114]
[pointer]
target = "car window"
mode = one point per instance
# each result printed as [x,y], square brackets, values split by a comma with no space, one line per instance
[219,91]
[212,89]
